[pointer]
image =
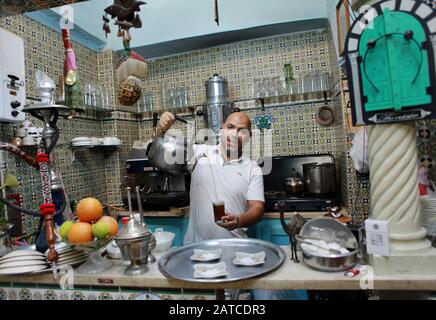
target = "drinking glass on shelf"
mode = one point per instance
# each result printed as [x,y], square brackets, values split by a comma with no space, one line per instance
[147,101]
[257,88]
[266,87]
[85,90]
[174,97]
[165,95]
[278,86]
[324,81]
[298,86]
[186,100]
[140,107]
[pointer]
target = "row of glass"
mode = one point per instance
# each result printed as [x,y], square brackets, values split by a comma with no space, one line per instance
[277,86]
[96,96]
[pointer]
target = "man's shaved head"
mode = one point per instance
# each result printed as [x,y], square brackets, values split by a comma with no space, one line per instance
[236,132]
[241,118]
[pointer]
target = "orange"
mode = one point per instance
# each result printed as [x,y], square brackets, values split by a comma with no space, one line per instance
[112,224]
[80,232]
[89,210]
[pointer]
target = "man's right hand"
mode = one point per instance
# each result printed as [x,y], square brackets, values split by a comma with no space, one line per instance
[166,120]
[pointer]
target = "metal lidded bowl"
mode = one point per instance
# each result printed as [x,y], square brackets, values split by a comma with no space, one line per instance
[330,230]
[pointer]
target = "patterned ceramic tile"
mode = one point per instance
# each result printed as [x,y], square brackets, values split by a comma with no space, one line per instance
[294,127]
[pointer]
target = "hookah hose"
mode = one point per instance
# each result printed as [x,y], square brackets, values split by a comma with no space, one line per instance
[47,209]
[16,151]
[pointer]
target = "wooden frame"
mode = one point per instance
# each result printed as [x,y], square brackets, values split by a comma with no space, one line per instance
[342,23]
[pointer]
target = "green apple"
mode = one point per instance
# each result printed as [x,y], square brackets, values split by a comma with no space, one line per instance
[65,228]
[100,230]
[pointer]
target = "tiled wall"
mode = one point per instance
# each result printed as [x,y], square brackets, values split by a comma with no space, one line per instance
[32,292]
[87,175]
[295,131]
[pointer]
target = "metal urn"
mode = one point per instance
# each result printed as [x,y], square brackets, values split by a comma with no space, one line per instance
[133,240]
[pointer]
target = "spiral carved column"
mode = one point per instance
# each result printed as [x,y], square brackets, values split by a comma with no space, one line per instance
[394,185]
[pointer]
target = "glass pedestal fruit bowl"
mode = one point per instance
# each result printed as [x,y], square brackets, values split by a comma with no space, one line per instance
[95,263]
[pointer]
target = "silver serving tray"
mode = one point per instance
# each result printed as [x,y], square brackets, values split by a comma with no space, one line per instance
[177,262]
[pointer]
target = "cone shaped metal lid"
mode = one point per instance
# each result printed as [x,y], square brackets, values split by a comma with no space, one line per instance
[132,230]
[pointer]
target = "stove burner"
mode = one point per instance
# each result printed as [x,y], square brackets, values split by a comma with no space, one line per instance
[301,202]
[275,194]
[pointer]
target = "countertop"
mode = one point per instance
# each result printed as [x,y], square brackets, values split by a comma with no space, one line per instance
[288,276]
[184,212]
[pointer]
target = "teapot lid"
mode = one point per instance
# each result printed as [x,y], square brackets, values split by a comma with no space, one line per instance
[217,78]
[132,230]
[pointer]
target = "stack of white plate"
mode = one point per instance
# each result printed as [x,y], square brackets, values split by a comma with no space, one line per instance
[428,212]
[22,261]
[82,142]
[68,256]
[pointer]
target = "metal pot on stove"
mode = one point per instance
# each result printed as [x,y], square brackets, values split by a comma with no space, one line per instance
[319,178]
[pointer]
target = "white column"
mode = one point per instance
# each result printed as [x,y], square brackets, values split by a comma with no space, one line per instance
[394,185]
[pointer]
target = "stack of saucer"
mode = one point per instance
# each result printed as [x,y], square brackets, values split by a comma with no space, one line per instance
[82,142]
[428,213]
[22,261]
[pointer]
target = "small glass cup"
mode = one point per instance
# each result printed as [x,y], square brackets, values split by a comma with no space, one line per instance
[257,88]
[218,211]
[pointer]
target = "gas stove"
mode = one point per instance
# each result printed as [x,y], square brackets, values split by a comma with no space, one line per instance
[299,203]
[274,184]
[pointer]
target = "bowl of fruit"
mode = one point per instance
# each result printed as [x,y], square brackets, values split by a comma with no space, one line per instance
[91,232]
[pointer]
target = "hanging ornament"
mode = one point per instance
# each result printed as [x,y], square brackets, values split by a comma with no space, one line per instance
[132,67]
[73,90]
[217,17]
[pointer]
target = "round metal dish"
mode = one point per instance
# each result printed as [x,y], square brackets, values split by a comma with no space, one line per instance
[331,263]
[329,229]
[177,264]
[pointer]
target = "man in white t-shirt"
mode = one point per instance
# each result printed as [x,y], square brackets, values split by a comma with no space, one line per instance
[223,174]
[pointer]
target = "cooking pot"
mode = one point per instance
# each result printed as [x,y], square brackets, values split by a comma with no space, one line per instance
[319,178]
[171,153]
[294,185]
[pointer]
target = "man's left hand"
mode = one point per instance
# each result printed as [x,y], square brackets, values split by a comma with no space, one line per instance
[231,221]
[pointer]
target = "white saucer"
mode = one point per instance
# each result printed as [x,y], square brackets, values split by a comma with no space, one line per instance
[25,263]
[206,255]
[21,270]
[209,271]
[249,259]
[20,253]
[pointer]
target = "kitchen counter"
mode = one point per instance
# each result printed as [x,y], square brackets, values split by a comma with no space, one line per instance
[288,276]
[184,212]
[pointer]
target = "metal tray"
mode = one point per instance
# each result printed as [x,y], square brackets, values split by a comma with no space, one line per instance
[177,262]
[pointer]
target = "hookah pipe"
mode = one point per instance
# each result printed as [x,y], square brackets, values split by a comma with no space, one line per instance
[42,162]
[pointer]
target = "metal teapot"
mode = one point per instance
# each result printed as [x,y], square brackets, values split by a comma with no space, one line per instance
[294,185]
[171,153]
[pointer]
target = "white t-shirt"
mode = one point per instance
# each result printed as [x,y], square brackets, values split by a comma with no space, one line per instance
[236,182]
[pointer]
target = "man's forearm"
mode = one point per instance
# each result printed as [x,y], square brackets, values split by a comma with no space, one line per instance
[251,216]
